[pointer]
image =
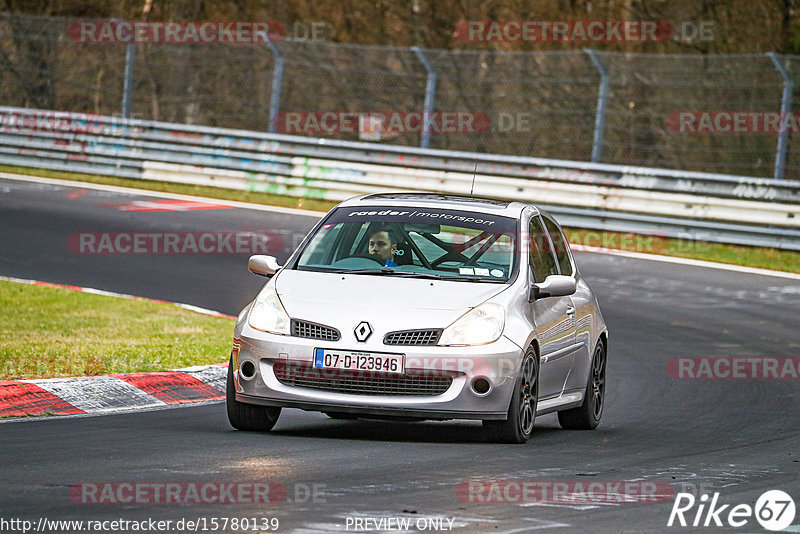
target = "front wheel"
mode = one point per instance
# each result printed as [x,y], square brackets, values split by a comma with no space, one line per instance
[243,416]
[587,416]
[518,427]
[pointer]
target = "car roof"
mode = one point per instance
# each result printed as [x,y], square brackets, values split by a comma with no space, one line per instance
[422,199]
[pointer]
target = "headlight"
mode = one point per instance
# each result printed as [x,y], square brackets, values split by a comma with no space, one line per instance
[479,326]
[267,313]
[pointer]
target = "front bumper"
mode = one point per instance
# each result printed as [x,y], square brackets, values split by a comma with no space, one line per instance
[497,362]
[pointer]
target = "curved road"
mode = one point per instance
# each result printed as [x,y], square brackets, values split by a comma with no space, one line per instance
[736,437]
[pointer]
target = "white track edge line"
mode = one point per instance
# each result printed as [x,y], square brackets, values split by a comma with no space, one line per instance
[160,194]
[688,261]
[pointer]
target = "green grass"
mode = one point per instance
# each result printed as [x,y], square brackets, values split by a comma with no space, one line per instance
[50,332]
[765,258]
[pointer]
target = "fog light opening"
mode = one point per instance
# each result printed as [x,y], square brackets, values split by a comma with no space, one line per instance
[481,386]
[247,370]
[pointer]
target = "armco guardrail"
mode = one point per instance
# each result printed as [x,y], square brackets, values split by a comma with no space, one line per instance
[700,206]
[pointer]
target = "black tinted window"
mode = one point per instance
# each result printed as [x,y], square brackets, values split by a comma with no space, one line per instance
[560,245]
[543,263]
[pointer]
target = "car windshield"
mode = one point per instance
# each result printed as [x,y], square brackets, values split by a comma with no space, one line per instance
[413,242]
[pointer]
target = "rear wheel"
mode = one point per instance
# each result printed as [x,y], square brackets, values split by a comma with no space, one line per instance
[243,416]
[587,416]
[517,428]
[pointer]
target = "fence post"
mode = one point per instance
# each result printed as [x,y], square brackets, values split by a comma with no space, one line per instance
[127,87]
[600,114]
[786,108]
[430,93]
[277,83]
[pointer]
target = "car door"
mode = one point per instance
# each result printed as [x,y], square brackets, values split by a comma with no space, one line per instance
[554,317]
[581,301]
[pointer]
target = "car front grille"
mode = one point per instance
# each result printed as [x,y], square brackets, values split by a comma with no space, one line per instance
[425,383]
[314,331]
[412,337]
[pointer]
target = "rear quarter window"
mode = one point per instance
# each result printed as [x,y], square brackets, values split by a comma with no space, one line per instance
[542,260]
[560,245]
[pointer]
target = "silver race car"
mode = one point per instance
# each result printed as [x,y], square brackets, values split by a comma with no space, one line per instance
[423,306]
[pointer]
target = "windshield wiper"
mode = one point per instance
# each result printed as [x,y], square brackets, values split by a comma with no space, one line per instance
[389,270]
[382,270]
[407,274]
[411,274]
[431,276]
[474,279]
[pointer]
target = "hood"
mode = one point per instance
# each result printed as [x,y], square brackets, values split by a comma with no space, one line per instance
[328,298]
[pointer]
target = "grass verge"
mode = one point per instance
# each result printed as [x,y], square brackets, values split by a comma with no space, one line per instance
[760,257]
[50,332]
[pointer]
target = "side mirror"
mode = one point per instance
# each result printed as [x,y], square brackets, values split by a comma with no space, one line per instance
[263,265]
[555,285]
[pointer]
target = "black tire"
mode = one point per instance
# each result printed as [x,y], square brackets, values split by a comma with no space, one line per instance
[587,416]
[249,417]
[518,427]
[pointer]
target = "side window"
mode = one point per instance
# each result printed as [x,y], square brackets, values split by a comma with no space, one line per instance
[560,245]
[542,261]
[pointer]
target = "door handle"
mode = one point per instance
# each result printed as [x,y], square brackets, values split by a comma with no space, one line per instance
[571,310]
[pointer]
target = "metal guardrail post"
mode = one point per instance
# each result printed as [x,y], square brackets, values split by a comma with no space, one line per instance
[600,114]
[430,94]
[277,83]
[127,87]
[786,108]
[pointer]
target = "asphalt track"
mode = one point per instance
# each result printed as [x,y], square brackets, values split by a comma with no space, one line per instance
[736,437]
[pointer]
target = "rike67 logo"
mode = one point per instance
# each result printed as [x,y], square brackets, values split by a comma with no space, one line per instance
[774,510]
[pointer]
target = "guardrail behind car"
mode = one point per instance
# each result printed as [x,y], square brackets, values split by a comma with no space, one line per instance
[690,205]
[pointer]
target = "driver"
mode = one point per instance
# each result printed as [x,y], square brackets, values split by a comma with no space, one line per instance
[383,243]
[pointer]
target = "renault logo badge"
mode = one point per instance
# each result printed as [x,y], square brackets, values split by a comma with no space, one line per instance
[363,331]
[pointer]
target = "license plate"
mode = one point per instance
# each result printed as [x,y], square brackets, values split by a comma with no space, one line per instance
[358,361]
